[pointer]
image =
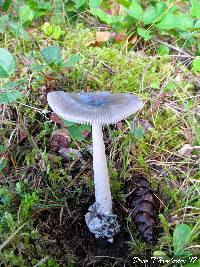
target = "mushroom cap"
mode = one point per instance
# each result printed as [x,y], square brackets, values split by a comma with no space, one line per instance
[94,107]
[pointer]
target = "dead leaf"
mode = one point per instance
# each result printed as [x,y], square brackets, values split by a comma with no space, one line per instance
[101,37]
[54,117]
[186,150]
[119,37]
[52,157]
[60,139]
[85,133]
[22,135]
[132,39]
[49,78]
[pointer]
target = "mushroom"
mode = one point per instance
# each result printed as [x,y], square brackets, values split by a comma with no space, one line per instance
[97,109]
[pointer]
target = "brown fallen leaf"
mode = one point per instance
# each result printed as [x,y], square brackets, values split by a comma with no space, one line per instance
[101,37]
[119,37]
[85,133]
[54,117]
[22,134]
[132,39]
[187,149]
[60,139]
[49,78]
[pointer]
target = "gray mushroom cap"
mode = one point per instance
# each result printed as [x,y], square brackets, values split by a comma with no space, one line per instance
[94,107]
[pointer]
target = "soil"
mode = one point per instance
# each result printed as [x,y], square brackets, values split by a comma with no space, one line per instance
[64,236]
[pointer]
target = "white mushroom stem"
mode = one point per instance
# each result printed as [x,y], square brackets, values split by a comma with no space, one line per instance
[101,179]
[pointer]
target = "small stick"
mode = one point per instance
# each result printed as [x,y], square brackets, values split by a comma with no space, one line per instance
[174,48]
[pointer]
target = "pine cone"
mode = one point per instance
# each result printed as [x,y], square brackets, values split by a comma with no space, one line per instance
[144,206]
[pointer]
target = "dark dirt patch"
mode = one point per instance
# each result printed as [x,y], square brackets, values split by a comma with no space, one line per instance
[65,237]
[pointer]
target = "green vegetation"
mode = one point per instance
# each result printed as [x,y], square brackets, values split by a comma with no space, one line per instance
[150,48]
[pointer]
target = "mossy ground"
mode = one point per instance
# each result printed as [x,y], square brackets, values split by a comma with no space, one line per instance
[38,191]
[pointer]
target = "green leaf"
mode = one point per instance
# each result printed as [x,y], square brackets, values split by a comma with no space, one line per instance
[101,15]
[57,19]
[26,13]
[47,28]
[155,83]
[77,131]
[184,21]
[18,30]
[169,22]
[42,5]
[73,60]
[5,5]
[153,13]
[160,255]
[52,54]
[9,96]
[196,64]
[3,163]
[161,9]
[195,263]
[169,87]
[56,31]
[138,132]
[187,36]
[125,3]
[116,19]
[2,149]
[163,50]
[80,3]
[195,8]
[4,196]
[68,123]
[197,25]
[144,33]
[7,63]
[149,15]
[3,20]
[181,236]
[94,3]
[135,11]
[12,85]
[37,68]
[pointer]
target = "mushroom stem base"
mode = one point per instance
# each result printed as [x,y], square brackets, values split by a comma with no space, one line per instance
[102,225]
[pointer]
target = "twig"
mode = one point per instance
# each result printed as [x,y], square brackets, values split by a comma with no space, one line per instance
[41,261]
[174,48]
[5,243]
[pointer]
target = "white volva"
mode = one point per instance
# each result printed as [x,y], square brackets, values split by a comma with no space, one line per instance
[101,179]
